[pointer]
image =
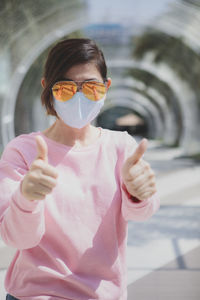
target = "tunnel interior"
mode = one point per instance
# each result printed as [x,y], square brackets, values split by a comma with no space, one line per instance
[123,119]
[154,91]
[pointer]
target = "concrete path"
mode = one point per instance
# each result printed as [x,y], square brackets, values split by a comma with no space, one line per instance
[164,252]
[163,255]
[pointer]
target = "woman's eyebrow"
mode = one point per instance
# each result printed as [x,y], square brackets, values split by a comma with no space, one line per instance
[89,79]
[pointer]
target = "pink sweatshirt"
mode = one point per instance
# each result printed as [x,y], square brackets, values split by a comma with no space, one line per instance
[72,245]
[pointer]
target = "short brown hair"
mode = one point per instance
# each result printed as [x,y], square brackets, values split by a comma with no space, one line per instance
[62,57]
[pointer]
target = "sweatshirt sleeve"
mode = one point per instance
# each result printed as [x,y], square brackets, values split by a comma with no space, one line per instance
[136,211]
[21,220]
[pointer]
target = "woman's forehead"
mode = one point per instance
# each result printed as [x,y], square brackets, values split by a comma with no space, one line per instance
[83,72]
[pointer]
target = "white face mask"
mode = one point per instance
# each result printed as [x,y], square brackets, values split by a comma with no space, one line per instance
[79,110]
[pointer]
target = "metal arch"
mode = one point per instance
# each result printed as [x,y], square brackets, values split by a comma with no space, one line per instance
[152,96]
[143,111]
[140,87]
[136,100]
[176,26]
[170,136]
[187,104]
[7,113]
[175,102]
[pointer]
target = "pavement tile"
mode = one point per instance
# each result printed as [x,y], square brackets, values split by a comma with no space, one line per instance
[173,281]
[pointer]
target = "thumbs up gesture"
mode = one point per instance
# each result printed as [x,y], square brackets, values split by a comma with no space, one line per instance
[137,175]
[41,178]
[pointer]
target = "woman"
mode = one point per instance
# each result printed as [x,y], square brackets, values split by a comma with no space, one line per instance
[68,192]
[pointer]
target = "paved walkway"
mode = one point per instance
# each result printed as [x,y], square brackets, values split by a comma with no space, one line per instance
[163,254]
[177,280]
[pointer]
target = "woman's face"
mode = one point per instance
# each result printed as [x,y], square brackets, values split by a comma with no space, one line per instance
[77,113]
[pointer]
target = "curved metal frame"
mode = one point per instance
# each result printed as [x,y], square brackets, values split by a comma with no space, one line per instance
[7,113]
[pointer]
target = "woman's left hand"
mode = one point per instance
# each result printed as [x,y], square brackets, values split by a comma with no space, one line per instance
[137,174]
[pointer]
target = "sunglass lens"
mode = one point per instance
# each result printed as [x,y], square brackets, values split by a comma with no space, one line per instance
[63,91]
[94,90]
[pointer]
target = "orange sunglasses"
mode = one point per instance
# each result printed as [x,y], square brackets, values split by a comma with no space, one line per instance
[64,90]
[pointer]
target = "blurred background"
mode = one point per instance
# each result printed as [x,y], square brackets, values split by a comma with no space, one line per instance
[152,49]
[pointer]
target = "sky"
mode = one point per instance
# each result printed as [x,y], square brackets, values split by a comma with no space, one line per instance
[126,11]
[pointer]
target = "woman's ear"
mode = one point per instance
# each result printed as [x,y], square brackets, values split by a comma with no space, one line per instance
[43,82]
[108,83]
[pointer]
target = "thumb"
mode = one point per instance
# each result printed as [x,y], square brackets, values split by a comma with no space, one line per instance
[42,149]
[140,150]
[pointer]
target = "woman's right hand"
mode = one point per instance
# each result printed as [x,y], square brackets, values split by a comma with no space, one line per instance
[42,177]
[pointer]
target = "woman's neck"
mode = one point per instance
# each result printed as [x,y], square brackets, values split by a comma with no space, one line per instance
[69,136]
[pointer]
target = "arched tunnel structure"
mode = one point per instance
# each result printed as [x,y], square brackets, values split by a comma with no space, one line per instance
[151,98]
[161,80]
[32,27]
[143,85]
